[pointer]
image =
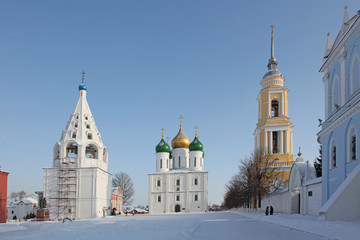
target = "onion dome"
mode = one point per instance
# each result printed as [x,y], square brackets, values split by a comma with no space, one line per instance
[162,146]
[196,145]
[180,140]
[82,86]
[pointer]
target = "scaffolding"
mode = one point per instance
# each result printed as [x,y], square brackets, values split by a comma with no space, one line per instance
[63,187]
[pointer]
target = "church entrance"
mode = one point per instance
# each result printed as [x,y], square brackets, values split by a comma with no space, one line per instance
[177,208]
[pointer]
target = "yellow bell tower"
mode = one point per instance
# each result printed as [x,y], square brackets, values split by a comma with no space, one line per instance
[274,131]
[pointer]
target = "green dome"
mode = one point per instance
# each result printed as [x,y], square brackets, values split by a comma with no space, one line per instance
[196,145]
[162,146]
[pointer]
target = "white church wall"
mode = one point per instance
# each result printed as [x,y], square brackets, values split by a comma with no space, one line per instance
[312,199]
[279,201]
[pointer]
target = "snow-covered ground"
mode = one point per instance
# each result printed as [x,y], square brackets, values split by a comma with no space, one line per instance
[220,225]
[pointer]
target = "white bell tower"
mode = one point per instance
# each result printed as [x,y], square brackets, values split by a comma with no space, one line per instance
[78,185]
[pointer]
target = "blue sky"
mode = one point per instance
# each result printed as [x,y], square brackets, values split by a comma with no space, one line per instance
[147,63]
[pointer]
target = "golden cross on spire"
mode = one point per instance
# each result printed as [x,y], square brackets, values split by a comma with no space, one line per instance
[196,128]
[162,133]
[299,154]
[167,139]
[181,118]
[272,28]
[83,76]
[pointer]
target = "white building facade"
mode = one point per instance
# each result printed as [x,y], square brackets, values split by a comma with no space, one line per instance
[78,184]
[338,136]
[180,183]
[302,196]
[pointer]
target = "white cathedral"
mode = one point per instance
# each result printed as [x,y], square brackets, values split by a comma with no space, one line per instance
[78,185]
[180,183]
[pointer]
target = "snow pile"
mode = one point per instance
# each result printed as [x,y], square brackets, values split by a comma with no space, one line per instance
[316,225]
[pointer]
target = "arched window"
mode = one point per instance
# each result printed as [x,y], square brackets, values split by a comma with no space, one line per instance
[195,181]
[91,151]
[105,155]
[158,183]
[89,136]
[177,182]
[179,161]
[88,126]
[355,74]
[194,161]
[160,163]
[72,150]
[275,139]
[352,144]
[274,108]
[167,163]
[177,197]
[333,155]
[196,197]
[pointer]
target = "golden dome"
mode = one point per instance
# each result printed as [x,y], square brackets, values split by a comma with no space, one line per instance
[180,140]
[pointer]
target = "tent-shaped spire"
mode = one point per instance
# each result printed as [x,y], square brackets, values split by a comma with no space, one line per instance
[81,126]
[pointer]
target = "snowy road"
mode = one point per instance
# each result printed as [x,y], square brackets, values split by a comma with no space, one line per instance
[224,225]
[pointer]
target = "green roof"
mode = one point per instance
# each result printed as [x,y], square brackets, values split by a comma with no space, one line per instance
[162,146]
[196,145]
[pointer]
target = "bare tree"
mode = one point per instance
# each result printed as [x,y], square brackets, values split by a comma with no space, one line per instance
[257,176]
[123,181]
[22,194]
[15,196]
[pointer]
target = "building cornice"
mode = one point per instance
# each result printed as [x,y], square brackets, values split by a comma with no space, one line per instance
[340,119]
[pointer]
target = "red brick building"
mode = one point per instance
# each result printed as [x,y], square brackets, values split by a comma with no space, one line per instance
[3,195]
[116,201]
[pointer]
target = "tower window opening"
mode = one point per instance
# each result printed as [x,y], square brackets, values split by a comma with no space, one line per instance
[275,139]
[76,125]
[194,161]
[158,183]
[159,198]
[274,108]
[160,163]
[196,181]
[88,126]
[196,198]
[73,135]
[72,150]
[167,163]
[177,197]
[333,156]
[353,145]
[86,118]
[177,182]
[179,161]
[89,136]
[91,151]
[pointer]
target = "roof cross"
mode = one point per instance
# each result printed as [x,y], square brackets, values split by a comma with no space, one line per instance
[181,118]
[83,76]
[196,128]
[162,133]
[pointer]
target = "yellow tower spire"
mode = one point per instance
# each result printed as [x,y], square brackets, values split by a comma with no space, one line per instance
[273,134]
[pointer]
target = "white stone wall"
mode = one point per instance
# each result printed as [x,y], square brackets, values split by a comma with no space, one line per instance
[169,190]
[311,204]
[279,201]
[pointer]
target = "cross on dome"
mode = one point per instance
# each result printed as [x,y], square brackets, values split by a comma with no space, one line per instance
[162,133]
[83,76]
[196,128]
